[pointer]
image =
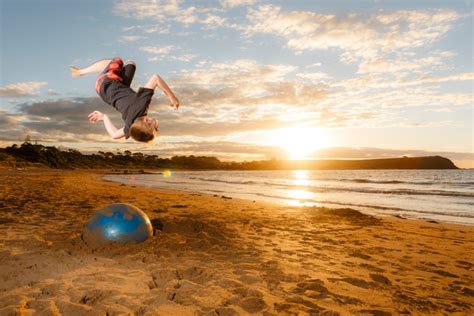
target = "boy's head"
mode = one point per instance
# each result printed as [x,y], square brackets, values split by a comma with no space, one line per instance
[144,129]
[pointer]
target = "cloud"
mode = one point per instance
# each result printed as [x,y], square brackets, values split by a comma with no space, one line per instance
[314,65]
[245,89]
[242,96]
[164,50]
[237,151]
[52,92]
[159,10]
[224,150]
[235,3]
[218,99]
[313,76]
[148,29]
[65,121]
[369,153]
[56,120]
[357,36]
[409,64]
[394,83]
[386,91]
[168,13]
[169,52]
[213,21]
[22,89]
[468,76]
[239,72]
[129,38]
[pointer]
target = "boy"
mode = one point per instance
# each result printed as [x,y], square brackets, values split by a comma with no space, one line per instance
[113,86]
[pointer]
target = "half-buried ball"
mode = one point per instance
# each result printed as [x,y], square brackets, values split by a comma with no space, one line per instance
[119,223]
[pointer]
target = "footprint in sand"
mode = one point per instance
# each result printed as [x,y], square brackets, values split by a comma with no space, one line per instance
[374,312]
[92,297]
[316,289]
[360,255]
[160,278]
[195,274]
[380,279]
[460,288]
[444,273]
[250,300]
[371,267]
[226,311]
[464,265]
[356,282]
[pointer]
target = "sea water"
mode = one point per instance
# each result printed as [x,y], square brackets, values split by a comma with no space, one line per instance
[441,195]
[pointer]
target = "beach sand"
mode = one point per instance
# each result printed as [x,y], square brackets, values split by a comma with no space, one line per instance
[213,255]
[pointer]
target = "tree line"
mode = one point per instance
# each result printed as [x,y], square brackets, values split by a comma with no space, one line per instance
[73,159]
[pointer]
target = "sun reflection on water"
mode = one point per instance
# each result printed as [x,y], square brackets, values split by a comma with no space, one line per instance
[301,195]
[300,177]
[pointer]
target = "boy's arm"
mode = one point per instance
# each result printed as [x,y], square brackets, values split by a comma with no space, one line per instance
[96,67]
[156,81]
[111,129]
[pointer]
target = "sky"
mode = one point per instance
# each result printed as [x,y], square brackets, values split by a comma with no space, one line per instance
[256,79]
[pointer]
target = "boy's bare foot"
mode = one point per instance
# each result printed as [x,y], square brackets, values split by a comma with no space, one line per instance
[75,72]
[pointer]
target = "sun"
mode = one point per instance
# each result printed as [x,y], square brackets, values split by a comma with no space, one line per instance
[300,141]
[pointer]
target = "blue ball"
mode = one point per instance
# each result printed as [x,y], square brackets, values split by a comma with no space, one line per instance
[120,223]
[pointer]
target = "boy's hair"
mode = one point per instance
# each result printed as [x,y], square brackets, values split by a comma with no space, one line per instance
[142,131]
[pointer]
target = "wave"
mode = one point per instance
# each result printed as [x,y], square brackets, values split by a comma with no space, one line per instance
[315,180]
[457,183]
[370,206]
[224,181]
[347,191]
[395,191]
[374,181]
[315,187]
[322,188]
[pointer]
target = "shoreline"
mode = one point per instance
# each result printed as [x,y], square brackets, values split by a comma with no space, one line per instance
[375,212]
[214,255]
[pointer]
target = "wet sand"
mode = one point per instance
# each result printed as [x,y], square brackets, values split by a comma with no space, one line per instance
[213,255]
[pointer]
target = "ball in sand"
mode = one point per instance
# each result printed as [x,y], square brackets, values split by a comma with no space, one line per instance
[119,223]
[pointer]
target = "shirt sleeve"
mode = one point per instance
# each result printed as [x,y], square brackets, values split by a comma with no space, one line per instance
[138,107]
[126,130]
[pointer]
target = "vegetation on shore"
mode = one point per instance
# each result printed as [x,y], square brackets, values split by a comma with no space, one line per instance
[28,153]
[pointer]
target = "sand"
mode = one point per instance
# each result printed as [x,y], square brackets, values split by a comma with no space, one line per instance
[213,255]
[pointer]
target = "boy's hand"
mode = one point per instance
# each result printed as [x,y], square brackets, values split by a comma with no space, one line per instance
[75,72]
[96,116]
[174,102]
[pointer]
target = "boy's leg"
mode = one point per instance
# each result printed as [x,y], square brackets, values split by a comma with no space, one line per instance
[128,72]
[111,71]
[96,67]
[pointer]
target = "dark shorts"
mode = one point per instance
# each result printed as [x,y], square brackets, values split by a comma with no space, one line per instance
[115,70]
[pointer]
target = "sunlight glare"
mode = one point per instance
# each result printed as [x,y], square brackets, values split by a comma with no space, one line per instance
[300,178]
[300,194]
[301,141]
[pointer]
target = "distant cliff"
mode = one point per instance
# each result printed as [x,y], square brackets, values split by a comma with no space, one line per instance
[433,162]
[28,154]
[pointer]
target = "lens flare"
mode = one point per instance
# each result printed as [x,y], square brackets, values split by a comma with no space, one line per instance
[300,141]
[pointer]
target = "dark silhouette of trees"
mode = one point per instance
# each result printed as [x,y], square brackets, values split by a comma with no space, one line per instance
[71,158]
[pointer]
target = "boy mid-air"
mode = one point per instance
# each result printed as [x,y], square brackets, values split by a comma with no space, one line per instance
[113,86]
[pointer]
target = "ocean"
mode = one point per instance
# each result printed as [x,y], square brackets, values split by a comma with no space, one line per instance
[440,195]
